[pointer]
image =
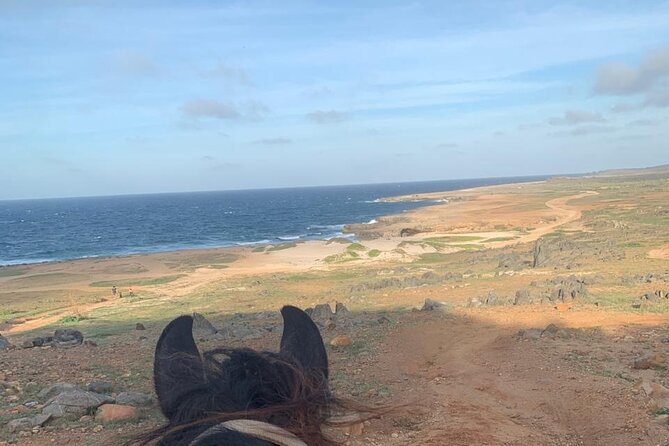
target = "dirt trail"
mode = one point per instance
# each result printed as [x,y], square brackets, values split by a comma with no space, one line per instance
[482,385]
[567,214]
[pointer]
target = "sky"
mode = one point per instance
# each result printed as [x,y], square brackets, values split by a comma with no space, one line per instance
[103,98]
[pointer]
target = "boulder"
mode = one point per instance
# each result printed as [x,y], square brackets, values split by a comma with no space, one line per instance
[341,341]
[68,336]
[320,312]
[530,334]
[55,389]
[136,399]
[431,305]
[341,310]
[75,403]
[650,361]
[522,297]
[139,326]
[100,387]
[4,343]
[27,423]
[110,413]
[202,328]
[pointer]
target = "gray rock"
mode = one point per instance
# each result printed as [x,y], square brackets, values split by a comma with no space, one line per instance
[136,399]
[321,312]
[139,326]
[522,297]
[530,333]
[75,403]
[26,423]
[55,389]
[202,328]
[100,387]
[431,305]
[241,331]
[4,343]
[68,336]
[341,310]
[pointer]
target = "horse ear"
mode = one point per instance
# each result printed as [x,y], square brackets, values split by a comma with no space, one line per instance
[177,366]
[302,340]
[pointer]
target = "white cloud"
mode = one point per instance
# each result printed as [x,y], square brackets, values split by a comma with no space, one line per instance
[135,64]
[207,108]
[574,117]
[327,117]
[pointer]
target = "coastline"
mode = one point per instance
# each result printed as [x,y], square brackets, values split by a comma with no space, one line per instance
[346,230]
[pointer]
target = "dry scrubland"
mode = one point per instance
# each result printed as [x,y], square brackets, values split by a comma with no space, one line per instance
[543,297]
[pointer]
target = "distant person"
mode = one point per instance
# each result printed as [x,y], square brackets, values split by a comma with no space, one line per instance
[114,290]
[130,292]
[120,295]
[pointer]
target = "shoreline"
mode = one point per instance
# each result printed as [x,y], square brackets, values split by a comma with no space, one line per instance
[345,230]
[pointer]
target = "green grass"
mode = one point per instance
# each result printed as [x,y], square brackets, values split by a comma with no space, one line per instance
[259,249]
[661,411]
[454,238]
[374,253]
[281,247]
[356,247]
[140,281]
[71,319]
[500,239]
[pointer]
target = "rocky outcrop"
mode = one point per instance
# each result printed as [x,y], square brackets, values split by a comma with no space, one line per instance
[75,403]
[567,289]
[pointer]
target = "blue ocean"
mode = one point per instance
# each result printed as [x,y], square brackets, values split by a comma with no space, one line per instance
[33,231]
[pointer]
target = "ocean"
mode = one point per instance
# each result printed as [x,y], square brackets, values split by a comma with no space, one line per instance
[34,231]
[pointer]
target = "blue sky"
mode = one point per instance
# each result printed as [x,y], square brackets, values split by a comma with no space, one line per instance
[122,97]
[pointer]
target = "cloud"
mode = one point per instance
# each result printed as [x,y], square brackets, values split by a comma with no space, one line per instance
[327,117]
[621,79]
[209,108]
[274,141]
[625,107]
[447,145]
[574,117]
[135,64]
[657,98]
[206,108]
[592,130]
[229,73]
[644,123]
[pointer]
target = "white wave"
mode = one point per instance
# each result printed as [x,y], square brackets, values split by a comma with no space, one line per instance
[372,221]
[290,237]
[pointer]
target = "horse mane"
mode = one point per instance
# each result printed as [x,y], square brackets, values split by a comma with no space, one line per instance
[288,389]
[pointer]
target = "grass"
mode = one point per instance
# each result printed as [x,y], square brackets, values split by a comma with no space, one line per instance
[356,247]
[661,411]
[71,319]
[454,238]
[500,239]
[281,247]
[140,281]
[374,253]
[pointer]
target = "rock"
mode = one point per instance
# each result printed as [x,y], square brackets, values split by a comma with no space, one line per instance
[241,331]
[530,333]
[89,343]
[567,289]
[100,387]
[550,330]
[136,399]
[202,328]
[522,297]
[431,305]
[28,343]
[341,310]
[4,343]
[408,232]
[140,326]
[383,320]
[492,299]
[341,341]
[320,312]
[650,361]
[68,336]
[75,403]
[109,413]
[55,389]
[475,302]
[27,423]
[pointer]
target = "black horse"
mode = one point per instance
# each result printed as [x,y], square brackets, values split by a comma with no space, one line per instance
[208,399]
